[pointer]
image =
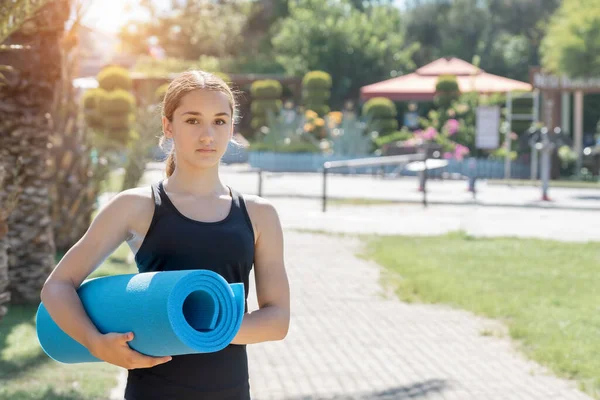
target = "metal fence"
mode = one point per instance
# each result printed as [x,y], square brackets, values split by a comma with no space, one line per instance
[309,162]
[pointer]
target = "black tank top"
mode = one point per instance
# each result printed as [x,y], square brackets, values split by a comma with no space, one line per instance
[175,242]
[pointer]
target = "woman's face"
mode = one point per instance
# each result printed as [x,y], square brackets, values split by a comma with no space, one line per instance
[201,129]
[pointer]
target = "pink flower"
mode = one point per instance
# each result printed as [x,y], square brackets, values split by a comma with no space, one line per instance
[430,133]
[448,155]
[460,151]
[452,126]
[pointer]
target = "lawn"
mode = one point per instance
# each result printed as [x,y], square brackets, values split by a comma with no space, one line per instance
[544,291]
[561,183]
[26,373]
[114,181]
[359,202]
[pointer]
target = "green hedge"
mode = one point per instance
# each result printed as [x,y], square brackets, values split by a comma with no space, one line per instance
[110,108]
[266,95]
[119,102]
[447,90]
[113,77]
[316,92]
[381,115]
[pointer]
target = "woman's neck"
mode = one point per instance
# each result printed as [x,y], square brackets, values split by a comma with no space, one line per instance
[199,183]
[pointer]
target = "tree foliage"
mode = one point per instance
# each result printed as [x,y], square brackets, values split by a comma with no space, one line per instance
[335,37]
[505,34]
[572,44]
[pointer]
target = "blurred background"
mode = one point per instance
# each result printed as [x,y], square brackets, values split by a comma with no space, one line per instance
[467,140]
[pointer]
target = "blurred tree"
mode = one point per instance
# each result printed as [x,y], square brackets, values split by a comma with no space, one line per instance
[190,29]
[14,14]
[344,42]
[572,44]
[505,34]
[75,183]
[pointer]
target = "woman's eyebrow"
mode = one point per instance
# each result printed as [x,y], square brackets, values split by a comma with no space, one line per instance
[200,114]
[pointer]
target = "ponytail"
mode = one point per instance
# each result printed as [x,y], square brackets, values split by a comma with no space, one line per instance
[170,163]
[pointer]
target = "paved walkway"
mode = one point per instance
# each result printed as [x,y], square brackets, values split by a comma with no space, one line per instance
[348,340]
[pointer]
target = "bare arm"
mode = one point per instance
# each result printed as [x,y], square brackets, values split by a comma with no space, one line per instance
[109,229]
[271,320]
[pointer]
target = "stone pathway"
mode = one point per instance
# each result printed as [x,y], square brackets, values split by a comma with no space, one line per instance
[349,340]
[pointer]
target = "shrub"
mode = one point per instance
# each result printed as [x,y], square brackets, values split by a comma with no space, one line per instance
[380,113]
[446,90]
[316,92]
[114,77]
[266,95]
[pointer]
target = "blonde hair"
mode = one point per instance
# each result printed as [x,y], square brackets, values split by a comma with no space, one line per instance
[184,83]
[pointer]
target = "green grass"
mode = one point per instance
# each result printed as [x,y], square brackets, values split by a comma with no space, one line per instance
[113,182]
[543,291]
[359,202]
[26,373]
[116,264]
[553,183]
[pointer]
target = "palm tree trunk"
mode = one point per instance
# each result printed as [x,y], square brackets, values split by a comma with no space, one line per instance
[25,128]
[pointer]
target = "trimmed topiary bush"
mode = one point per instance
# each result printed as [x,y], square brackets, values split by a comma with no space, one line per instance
[316,91]
[110,108]
[380,113]
[266,96]
[114,77]
[446,91]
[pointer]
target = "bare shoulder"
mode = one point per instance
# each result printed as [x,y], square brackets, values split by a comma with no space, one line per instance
[259,205]
[133,200]
[262,212]
[141,195]
[135,207]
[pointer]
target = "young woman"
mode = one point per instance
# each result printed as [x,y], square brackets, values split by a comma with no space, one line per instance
[190,219]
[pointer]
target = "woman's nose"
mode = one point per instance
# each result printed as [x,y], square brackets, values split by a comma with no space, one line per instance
[206,134]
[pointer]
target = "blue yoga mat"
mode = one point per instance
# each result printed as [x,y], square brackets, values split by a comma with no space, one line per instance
[169,312]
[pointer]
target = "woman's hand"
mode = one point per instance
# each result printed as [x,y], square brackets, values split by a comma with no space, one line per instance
[113,348]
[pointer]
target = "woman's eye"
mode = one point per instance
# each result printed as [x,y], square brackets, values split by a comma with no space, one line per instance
[192,121]
[221,122]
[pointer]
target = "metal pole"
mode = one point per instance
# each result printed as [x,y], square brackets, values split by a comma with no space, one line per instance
[507,140]
[472,163]
[324,189]
[534,163]
[545,164]
[536,106]
[260,181]
[565,117]
[424,184]
[578,137]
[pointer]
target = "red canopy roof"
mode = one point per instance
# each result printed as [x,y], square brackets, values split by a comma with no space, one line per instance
[420,85]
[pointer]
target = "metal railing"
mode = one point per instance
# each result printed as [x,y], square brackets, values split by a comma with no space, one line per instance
[376,161]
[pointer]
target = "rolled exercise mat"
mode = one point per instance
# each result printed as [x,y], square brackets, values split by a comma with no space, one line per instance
[169,312]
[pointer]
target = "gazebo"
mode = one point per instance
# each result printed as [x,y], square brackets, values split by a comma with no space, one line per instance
[420,85]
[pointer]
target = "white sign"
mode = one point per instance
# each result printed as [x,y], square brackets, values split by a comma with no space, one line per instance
[544,81]
[488,127]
